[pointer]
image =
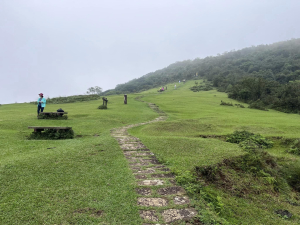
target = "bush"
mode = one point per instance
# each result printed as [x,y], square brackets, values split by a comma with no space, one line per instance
[102,107]
[257,105]
[226,103]
[249,141]
[52,134]
[70,99]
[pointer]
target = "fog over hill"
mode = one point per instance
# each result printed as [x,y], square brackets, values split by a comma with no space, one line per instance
[64,47]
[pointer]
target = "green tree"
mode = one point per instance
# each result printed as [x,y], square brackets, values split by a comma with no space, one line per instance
[94,90]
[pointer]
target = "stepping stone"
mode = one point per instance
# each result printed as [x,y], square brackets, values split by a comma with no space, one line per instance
[143,191]
[171,191]
[164,169]
[181,200]
[148,170]
[152,202]
[139,164]
[149,215]
[171,215]
[144,154]
[163,175]
[140,176]
[151,182]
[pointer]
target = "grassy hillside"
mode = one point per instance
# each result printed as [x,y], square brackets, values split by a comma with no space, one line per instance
[178,143]
[68,181]
[86,180]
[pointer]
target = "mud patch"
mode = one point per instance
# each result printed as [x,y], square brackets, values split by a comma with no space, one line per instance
[148,215]
[91,211]
[171,215]
[144,191]
[171,191]
[152,202]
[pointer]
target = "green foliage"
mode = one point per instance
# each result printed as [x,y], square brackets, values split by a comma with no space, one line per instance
[226,103]
[94,91]
[71,99]
[249,141]
[257,105]
[206,87]
[239,105]
[53,116]
[102,107]
[51,134]
[295,147]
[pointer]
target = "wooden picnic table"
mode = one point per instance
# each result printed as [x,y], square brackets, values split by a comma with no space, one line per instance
[50,113]
[40,129]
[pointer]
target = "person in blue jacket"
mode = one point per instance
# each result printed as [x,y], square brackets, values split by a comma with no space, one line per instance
[41,103]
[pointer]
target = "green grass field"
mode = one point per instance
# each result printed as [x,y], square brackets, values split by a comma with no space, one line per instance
[56,182]
[68,181]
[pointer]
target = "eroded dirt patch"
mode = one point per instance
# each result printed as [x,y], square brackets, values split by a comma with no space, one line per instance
[91,211]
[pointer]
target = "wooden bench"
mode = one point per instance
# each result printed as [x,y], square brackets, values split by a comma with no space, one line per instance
[40,129]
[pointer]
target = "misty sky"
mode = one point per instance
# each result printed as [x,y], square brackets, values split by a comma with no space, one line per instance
[63,47]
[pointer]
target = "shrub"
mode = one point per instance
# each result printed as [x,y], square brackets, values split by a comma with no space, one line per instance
[249,141]
[295,147]
[102,107]
[257,105]
[239,105]
[226,103]
[52,134]
[70,99]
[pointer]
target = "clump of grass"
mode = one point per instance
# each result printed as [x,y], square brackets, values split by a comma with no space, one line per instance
[226,103]
[53,117]
[102,107]
[52,134]
[249,141]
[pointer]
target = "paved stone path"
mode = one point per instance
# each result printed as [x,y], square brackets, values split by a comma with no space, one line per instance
[160,200]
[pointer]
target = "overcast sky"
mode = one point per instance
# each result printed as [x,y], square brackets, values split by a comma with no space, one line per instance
[63,47]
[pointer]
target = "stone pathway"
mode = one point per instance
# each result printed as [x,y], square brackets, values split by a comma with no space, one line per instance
[160,200]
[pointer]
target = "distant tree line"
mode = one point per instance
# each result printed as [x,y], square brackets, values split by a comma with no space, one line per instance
[264,74]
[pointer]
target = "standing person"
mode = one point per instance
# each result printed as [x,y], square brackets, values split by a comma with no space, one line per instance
[175,86]
[41,103]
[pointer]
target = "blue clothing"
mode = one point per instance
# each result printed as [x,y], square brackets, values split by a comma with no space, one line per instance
[40,109]
[43,104]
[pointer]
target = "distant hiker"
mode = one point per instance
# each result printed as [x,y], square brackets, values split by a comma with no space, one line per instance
[175,86]
[162,88]
[179,81]
[41,103]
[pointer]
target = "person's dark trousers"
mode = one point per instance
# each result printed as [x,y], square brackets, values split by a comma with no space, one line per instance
[40,109]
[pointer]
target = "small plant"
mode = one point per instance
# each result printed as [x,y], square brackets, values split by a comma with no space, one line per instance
[226,103]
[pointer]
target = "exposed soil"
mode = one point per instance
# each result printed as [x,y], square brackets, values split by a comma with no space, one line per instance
[92,211]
